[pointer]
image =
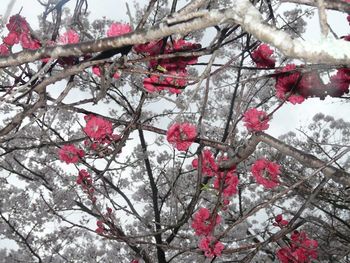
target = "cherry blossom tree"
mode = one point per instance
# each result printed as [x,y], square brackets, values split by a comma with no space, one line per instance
[148,140]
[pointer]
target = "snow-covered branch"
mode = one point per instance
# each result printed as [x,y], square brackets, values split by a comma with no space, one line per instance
[326,51]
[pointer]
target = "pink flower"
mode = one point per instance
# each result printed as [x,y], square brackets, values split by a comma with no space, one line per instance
[118,29]
[28,43]
[291,86]
[152,48]
[204,223]
[4,50]
[177,83]
[99,231]
[98,128]
[229,185]
[284,255]
[69,37]
[279,221]
[301,250]
[96,70]
[339,83]
[181,135]
[153,84]
[11,38]
[209,167]
[262,57]
[173,84]
[211,246]
[84,178]
[70,154]
[182,45]
[18,24]
[266,173]
[255,120]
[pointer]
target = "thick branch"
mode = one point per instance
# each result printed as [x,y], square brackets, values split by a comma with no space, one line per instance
[338,5]
[328,51]
[338,175]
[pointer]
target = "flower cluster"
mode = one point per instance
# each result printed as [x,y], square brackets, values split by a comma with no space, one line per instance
[255,120]
[266,173]
[104,222]
[19,33]
[339,83]
[181,135]
[211,247]
[287,85]
[174,67]
[118,29]
[84,178]
[69,37]
[70,154]
[100,133]
[227,182]
[295,87]
[209,167]
[97,128]
[262,57]
[204,223]
[85,181]
[301,249]
[280,222]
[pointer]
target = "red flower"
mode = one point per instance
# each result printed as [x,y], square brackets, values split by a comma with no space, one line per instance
[255,120]
[209,167]
[296,88]
[266,173]
[118,29]
[177,83]
[339,83]
[4,50]
[182,45]
[181,135]
[96,70]
[98,128]
[204,223]
[18,24]
[154,84]
[301,250]
[284,255]
[211,247]
[69,154]
[84,178]
[262,57]
[152,48]
[229,186]
[11,38]
[100,227]
[173,84]
[28,43]
[279,221]
[69,37]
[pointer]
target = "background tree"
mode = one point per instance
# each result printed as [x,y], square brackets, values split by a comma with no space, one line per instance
[148,141]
